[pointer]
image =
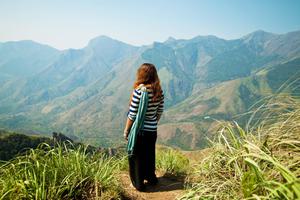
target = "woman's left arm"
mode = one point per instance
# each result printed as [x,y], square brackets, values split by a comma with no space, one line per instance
[129,123]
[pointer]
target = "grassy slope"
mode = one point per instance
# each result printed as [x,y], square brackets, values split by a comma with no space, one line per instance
[260,163]
[197,116]
[69,172]
[59,173]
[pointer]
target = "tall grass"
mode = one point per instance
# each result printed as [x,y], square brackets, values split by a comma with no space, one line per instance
[262,162]
[171,162]
[59,173]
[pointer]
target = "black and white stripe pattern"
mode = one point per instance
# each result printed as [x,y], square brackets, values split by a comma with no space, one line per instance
[154,108]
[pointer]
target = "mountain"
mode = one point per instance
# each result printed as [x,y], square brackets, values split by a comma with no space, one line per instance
[24,58]
[85,92]
[187,124]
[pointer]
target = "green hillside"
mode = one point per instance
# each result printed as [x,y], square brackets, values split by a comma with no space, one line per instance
[227,101]
[84,93]
[14,144]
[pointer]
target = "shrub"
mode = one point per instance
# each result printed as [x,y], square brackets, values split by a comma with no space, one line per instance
[59,173]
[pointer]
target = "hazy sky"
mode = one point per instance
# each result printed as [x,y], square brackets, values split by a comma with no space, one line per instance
[72,23]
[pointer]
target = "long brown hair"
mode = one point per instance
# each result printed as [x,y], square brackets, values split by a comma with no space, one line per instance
[147,75]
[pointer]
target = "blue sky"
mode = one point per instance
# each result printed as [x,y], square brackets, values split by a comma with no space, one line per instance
[72,23]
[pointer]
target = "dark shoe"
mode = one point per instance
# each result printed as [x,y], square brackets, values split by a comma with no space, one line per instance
[152,181]
[141,188]
[138,185]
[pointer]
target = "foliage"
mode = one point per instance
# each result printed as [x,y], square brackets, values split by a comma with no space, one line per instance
[261,162]
[12,144]
[171,162]
[60,173]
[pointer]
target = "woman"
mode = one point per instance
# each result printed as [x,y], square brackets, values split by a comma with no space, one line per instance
[142,163]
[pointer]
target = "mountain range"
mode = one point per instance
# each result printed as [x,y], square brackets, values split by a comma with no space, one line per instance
[84,93]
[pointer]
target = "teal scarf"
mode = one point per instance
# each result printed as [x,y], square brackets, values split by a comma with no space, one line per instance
[138,122]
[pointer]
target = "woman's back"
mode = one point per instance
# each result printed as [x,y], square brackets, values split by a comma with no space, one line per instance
[155,108]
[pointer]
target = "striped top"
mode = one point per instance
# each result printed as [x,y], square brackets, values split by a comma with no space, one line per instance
[154,108]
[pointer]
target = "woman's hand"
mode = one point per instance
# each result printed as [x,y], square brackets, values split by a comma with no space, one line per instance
[158,118]
[126,134]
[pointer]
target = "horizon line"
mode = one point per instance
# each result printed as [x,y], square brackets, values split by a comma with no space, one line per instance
[169,37]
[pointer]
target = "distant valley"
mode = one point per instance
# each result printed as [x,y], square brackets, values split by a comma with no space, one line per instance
[84,93]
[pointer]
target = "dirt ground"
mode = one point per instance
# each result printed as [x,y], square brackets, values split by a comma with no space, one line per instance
[168,188]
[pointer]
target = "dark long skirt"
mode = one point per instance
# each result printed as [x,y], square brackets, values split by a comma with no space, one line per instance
[142,164]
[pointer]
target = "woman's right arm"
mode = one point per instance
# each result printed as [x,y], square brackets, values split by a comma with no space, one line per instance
[133,109]
[160,108]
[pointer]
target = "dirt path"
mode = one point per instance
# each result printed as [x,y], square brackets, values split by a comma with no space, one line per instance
[168,188]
